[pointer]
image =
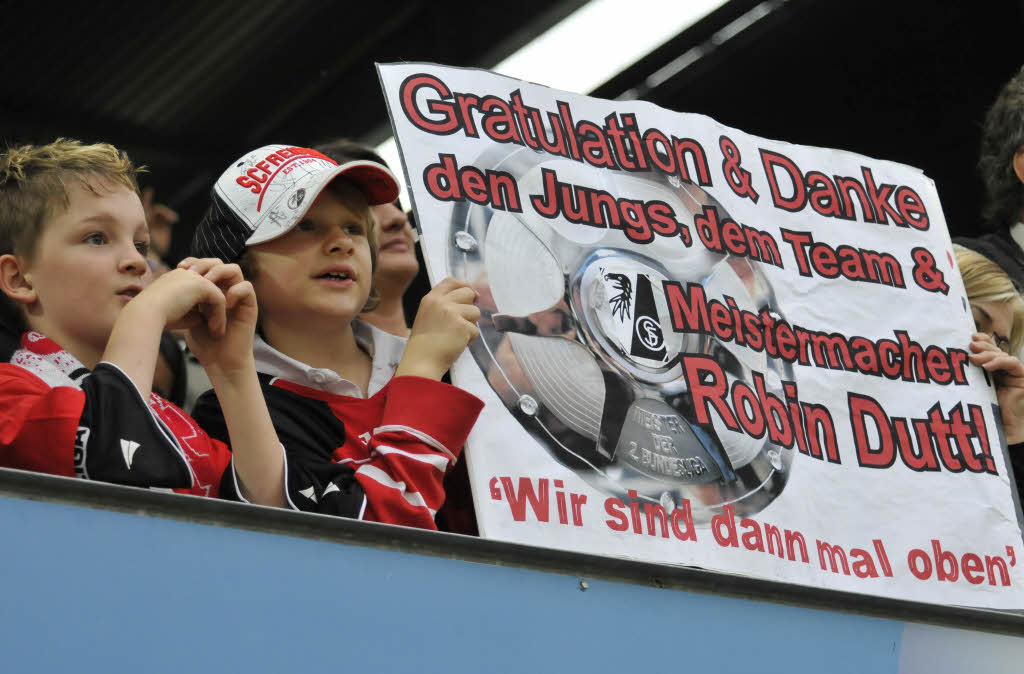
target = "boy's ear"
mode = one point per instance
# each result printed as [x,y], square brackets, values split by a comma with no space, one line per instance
[14,282]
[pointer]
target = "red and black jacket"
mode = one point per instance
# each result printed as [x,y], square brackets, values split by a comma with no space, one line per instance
[381,458]
[58,417]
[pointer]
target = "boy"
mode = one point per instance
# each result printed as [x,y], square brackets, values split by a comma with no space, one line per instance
[77,394]
[359,443]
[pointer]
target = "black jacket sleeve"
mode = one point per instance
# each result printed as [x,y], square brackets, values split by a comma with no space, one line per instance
[309,431]
[120,438]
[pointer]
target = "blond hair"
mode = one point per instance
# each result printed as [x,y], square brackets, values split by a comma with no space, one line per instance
[34,183]
[985,281]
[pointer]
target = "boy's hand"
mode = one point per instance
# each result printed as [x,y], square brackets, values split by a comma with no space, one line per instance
[445,324]
[225,350]
[183,298]
[1008,373]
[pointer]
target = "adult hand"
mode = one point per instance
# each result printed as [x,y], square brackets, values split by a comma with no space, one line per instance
[1008,372]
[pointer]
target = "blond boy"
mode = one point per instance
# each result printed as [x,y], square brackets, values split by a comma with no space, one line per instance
[77,395]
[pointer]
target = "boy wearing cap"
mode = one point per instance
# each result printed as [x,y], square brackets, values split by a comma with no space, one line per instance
[369,431]
[76,396]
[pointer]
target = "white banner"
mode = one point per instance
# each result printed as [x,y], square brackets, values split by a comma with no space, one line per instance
[704,348]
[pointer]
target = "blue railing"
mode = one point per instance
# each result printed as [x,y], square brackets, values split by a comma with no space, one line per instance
[104,578]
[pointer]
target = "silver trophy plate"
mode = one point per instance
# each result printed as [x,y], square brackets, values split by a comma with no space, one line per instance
[576,339]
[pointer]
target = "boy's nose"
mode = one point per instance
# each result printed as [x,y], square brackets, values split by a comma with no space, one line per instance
[338,241]
[134,262]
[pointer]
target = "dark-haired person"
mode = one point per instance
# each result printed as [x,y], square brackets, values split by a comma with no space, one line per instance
[1001,163]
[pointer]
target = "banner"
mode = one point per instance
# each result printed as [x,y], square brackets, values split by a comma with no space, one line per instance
[700,347]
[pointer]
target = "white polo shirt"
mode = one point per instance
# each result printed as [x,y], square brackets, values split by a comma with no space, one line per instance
[384,349]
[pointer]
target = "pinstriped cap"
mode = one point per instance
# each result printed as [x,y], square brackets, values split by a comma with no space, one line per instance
[267,192]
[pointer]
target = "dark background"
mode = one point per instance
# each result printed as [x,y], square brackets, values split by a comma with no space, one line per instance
[188,87]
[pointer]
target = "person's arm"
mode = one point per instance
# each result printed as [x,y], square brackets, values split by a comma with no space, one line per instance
[38,424]
[416,441]
[224,348]
[1008,372]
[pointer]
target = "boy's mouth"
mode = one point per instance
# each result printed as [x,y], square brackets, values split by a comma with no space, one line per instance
[130,291]
[337,274]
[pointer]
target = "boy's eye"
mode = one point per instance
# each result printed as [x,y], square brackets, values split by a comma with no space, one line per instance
[306,226]
[96,239]
[354,228]
[142,247]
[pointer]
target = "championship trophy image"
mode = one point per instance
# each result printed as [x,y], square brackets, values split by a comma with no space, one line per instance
[577,340]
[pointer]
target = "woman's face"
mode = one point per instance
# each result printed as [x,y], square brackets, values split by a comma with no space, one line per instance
[994,319]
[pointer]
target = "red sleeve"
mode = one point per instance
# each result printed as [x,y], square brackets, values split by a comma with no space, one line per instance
[422,428]
[38,424]
[208,458]
[212,467]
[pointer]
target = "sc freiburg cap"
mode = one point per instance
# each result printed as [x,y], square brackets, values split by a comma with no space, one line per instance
[267,192]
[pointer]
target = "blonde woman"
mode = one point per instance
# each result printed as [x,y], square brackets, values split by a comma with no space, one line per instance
[998,312]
